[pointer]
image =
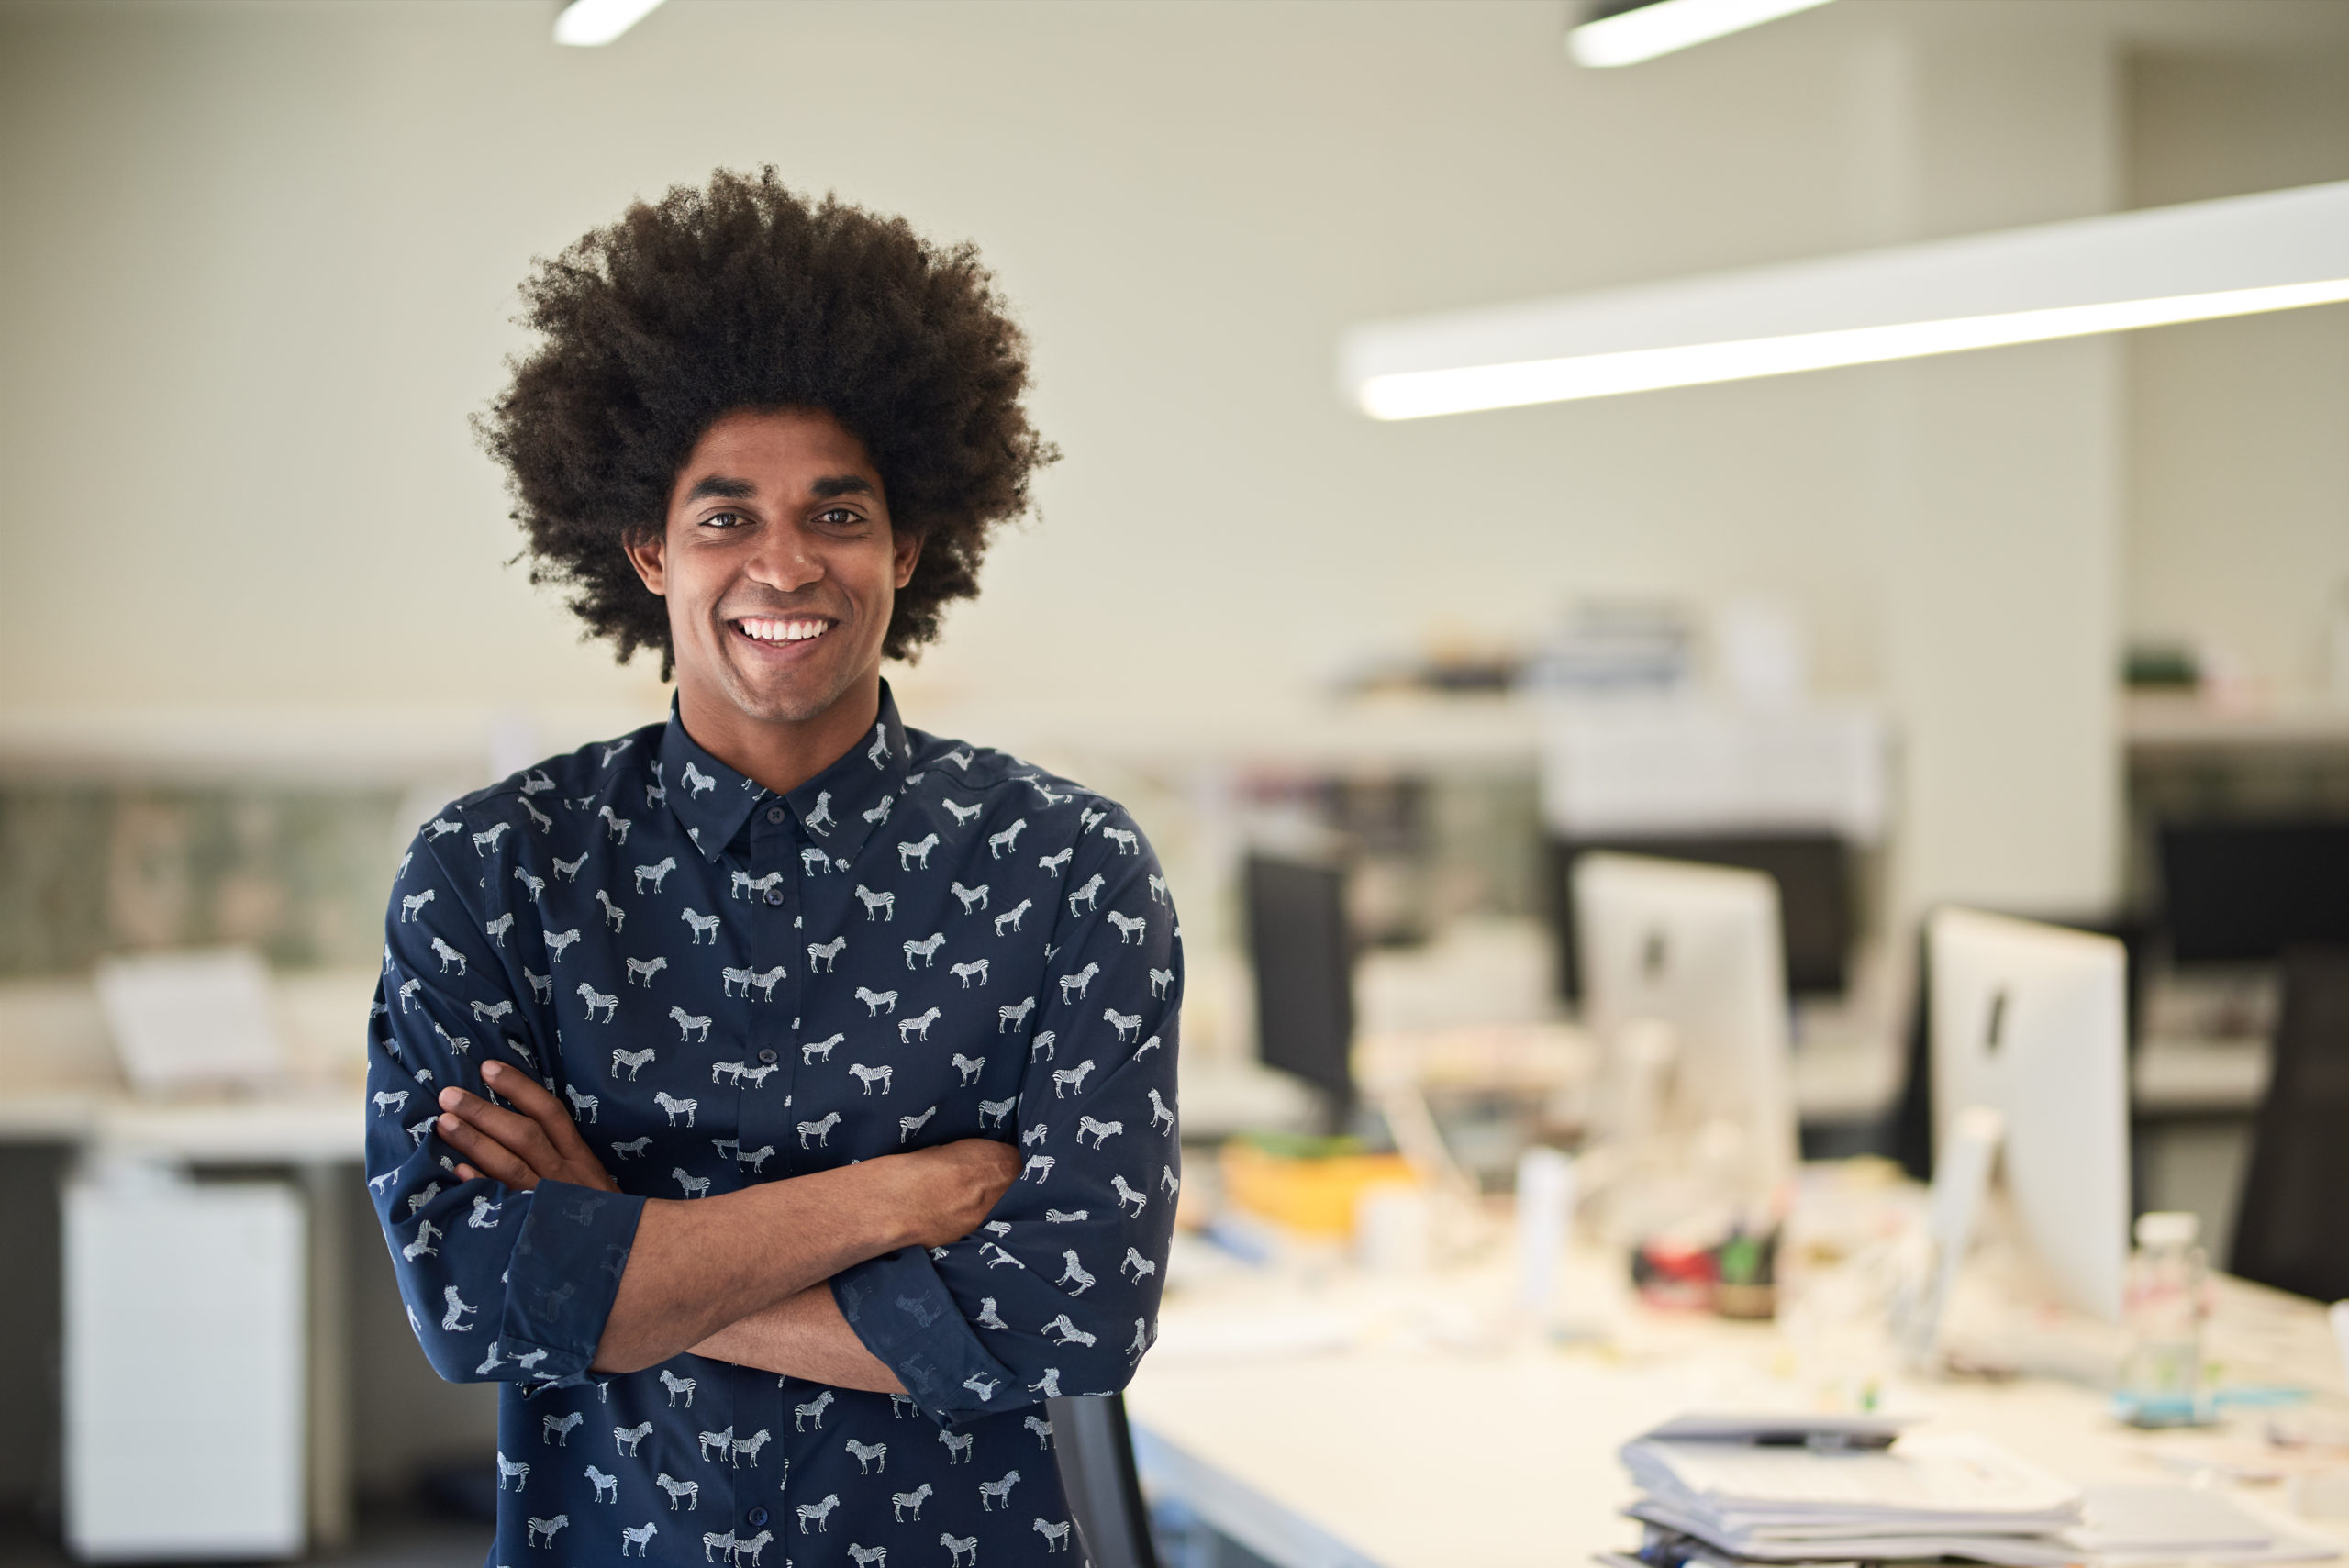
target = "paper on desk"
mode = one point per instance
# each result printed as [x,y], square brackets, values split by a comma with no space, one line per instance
[1950,1476]
[2002,1550]
[2163,1524]
[2124,1526]
[185,1018]
[1781,1427]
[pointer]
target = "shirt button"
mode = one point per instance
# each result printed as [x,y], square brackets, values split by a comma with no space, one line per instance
[775,896]
[775,814]
[757,1516]
[766,1057]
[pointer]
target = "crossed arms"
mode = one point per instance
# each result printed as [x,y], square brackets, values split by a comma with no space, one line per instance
[742,1276]
[931,1271]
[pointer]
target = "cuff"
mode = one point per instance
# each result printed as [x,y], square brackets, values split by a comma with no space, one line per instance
[562,1274]
[906,1316]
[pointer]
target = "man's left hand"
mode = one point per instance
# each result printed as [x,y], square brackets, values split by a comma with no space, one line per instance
[535,1141]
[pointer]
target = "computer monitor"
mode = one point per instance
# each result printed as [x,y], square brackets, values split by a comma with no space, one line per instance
[1303,954]
[2239,891]
[1694,948]
[2028,1020]
[1813,873]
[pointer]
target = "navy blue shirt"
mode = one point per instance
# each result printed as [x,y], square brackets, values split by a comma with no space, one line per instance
[928,942]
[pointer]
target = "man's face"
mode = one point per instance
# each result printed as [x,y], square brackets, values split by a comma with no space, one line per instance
[779,565]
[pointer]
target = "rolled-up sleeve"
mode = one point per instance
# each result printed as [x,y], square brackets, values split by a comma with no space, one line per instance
[500,1285]
[901,1309]
[1058,1293]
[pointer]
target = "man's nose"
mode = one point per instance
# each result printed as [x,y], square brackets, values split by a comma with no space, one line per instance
[785,560]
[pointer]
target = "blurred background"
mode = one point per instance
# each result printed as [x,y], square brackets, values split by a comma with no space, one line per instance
[2057,630]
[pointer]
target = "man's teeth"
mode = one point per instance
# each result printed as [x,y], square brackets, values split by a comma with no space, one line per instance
[784,630]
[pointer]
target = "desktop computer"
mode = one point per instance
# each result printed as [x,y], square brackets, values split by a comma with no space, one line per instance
[1682,962]
[2243,892]
[1813,873]
[2029,1020]
[1302,952]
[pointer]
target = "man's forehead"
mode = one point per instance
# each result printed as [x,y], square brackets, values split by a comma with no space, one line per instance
[733,487]
[789,453]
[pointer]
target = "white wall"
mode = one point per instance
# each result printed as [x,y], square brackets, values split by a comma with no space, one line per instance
[2001,500]
[259,260]
[278,246]
[2239,430]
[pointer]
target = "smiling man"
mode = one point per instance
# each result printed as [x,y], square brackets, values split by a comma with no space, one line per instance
[778,1101]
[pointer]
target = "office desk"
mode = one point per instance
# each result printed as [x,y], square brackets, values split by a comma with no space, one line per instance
[1330,1424]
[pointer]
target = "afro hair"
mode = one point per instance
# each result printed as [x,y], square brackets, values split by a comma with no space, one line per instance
[742,294]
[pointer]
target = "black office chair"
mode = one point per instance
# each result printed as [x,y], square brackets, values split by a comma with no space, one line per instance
[1094,1450]
[2292,1227]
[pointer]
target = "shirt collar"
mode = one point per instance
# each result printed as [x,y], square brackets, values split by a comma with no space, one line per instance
[839,807]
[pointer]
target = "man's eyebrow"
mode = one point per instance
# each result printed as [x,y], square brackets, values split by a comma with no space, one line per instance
[726,489]
[840,485]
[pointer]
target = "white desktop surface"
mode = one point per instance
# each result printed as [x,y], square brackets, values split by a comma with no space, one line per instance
[2185,1077]
[296,1127]
[1402,1452]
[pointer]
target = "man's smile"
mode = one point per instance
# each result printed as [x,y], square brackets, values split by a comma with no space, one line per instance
[792,628]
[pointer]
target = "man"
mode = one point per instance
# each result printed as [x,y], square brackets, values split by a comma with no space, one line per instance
[778,1101]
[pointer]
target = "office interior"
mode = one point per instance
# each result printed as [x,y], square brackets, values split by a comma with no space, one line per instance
[2054,632]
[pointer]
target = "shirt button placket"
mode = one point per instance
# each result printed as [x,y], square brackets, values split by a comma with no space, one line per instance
[776,949]
[801,934]
[766,1037]
[764,1010]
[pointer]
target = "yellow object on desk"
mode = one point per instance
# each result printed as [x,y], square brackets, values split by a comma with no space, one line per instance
[1309,1185]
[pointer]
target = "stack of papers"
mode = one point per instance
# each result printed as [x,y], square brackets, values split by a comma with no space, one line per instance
[1953,1497]
[2130,1526]
[1848,1494]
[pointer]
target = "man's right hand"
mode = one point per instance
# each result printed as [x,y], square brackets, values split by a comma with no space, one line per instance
[941,1194]
[535,1141]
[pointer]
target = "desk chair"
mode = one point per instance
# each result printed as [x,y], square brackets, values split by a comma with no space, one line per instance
[1094,1450]
[2292,1228]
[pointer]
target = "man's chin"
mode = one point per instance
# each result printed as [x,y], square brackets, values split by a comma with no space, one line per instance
[794,702]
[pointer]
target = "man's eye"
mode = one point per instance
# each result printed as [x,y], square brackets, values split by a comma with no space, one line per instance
[840,518]
[723,520]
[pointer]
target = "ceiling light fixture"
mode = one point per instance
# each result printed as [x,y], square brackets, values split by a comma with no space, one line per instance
[585,24]
[2236,256]
[1628,35]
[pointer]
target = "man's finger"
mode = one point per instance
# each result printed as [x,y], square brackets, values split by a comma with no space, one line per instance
[531,1098]
[519,1135]
[486,1154]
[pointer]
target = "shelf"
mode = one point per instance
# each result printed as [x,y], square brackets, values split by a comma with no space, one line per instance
[2187,723]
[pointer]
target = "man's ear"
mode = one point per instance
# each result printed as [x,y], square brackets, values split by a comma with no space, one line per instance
[648,554]
[905,546]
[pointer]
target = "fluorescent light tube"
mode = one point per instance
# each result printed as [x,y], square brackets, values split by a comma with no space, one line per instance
[1417,395]
[2279,251]
[585,24]
[1663,26]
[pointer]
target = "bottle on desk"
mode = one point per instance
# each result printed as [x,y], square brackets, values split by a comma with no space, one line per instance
[2161,1383]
